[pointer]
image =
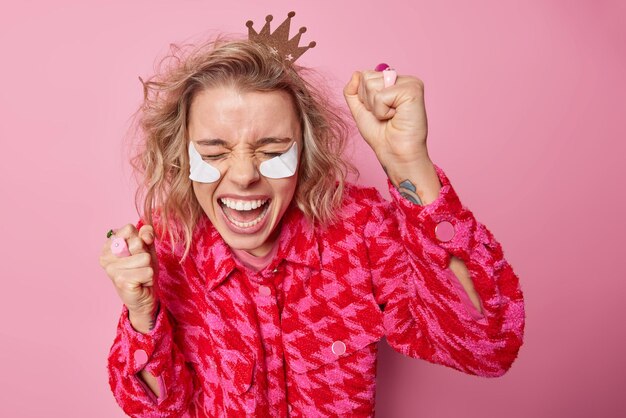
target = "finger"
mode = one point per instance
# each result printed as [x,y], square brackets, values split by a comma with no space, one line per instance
[350,89]
[135,261]
[372,83]
[106,248]
[136,245]
[129,263]
[379,100]
[372,75]
[351,94]
[363,94]
[147,234]
[126,231]
[132,279]
[383,104]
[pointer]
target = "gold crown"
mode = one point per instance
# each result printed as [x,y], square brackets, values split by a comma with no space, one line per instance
[279,40]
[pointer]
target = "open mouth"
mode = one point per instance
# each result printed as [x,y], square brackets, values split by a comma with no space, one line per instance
[244,213]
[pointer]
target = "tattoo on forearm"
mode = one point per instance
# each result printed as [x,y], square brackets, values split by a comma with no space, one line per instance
[409,192]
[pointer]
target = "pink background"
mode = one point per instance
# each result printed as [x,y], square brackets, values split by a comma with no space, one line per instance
[526,111]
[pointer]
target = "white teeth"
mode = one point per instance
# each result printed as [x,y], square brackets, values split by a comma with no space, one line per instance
[246,224]
[242,204]
[251,223]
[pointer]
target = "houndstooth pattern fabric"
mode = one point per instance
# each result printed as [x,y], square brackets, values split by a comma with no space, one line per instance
[299,338]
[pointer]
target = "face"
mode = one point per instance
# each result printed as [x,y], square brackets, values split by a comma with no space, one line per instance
[234,132]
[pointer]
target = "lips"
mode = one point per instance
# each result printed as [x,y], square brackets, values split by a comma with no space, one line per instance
[244,214]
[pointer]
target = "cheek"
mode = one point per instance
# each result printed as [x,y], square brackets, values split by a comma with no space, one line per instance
[204,193]
[285,188]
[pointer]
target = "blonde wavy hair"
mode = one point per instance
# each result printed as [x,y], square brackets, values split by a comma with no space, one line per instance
[161,162]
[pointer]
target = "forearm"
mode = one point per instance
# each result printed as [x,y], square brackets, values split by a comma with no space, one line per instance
[416,181]
[462,273]
[151,381]
[143,323]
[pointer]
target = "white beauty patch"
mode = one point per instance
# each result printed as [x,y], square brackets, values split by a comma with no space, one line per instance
[281,166]
[200,170]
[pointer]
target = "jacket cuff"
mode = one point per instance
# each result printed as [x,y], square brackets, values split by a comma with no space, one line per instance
[150,351]
[439,229]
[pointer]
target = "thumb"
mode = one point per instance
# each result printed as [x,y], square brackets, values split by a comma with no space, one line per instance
[351,93]
[146,233]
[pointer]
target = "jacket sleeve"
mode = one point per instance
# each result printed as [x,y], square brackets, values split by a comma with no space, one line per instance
[427,313]
[156,352]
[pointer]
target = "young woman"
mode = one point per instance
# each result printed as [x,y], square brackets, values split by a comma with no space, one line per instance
[259,281]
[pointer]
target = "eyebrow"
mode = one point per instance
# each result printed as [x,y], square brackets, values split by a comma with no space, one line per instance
[258,142]
[210,142]
[272,140]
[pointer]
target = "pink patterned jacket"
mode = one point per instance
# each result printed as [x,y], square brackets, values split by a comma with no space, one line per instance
[299,338]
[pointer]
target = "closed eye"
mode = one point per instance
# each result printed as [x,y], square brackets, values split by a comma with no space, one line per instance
[213,157]
[271,154]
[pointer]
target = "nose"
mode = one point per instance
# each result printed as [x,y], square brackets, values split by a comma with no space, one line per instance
[243,171]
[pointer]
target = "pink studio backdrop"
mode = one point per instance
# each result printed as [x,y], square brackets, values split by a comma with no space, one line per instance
[525,101]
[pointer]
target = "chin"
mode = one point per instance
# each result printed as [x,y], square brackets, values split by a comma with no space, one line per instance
[252,243]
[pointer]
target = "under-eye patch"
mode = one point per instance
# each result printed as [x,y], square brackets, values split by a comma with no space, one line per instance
[200,170]
[281,166]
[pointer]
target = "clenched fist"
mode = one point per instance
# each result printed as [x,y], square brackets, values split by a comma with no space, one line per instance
[392,120]
[133,276]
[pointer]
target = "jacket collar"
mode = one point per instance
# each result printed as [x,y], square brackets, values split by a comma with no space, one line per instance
[297,243]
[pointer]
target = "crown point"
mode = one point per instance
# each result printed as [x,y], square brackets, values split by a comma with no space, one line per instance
[279,40]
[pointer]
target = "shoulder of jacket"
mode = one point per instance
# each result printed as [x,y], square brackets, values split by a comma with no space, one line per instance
[358,205]
[363,195]
[364,199]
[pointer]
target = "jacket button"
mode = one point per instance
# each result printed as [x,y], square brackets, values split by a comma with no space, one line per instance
[141,357]
[339,348]
[264,290]
[444,231]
